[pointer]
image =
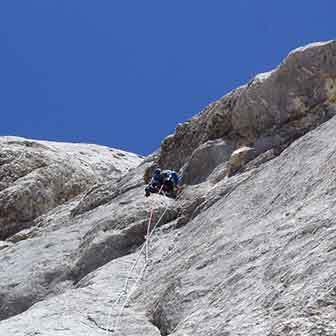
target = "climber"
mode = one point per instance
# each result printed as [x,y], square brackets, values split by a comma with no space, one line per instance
[165,181]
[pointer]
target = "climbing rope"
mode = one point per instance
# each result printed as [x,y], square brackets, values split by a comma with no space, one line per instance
[147,234]
[140,275]
[145,246]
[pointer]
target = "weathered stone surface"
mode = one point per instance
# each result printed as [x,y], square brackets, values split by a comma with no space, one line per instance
[121,228]
[36,176]
[104,193]
[30,267]
[60,248]
[212,123]
[239,158]
[305,79]
[4,244]
[204,160]
[285,103]
[257,260]
[248,254]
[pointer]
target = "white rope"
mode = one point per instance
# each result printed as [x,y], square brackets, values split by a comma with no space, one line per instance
[124,289]
[141,273]
[141,250]
[147,234]
[129,296]
[140,276]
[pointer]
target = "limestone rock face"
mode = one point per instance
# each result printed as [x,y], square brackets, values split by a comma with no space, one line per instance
[41,183]
[36,176]
[239,158]
[205,159]
[282,104]
[256,257]
[247,248]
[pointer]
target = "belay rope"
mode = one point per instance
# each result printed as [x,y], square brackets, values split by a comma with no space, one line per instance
[145,247]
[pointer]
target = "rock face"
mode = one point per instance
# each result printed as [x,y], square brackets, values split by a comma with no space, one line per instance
[280,105]
[205,159]
[36,176]
[248,248]
[239,158]
[40,183]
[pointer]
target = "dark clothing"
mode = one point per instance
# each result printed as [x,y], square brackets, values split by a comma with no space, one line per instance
[171,175]
[166,181]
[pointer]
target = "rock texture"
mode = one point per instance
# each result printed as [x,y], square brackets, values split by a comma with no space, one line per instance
[36,176]
[205,159]
[41,183]
[248,248]
[271,111]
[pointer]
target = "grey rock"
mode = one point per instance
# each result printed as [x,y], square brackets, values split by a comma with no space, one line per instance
[37,261]
[205,159]
[121,229]
[248,254]
[239,158]
[36,176]
[255,260]
[103,193]
[212,123]
[282,105]
[303,80]
[4,244]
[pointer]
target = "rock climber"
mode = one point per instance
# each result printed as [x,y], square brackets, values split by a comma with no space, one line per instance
[165,182]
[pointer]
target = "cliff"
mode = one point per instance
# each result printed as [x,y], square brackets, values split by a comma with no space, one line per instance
[248,248]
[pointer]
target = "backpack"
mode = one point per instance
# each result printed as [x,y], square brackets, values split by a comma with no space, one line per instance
[170,175]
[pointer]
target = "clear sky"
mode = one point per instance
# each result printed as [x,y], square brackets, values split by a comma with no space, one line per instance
[123,73]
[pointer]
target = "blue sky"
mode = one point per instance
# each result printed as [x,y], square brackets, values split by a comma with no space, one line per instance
[123,73]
